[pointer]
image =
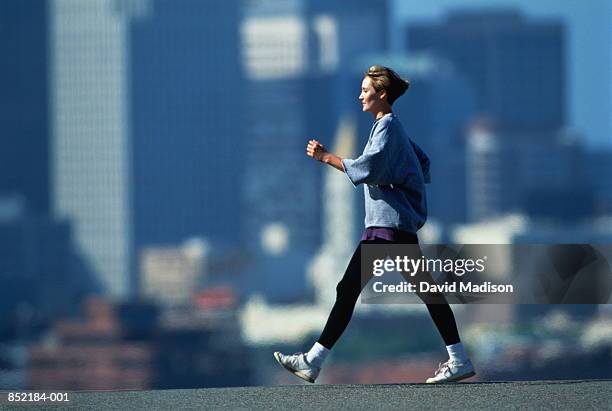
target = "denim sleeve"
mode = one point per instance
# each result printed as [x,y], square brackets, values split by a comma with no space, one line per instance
[372,166]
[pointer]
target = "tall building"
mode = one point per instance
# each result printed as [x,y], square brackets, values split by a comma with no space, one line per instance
[608,140]
[186,106]
[530,173]
[295,55]
[515,65]
[554,167]
[275,47]
[483,174]
[90,129]
[24,125]
[147,127]
[361,28]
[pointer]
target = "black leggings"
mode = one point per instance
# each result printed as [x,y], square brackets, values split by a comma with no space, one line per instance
[350,287]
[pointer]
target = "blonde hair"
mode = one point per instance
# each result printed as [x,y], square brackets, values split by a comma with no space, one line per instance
[383,78]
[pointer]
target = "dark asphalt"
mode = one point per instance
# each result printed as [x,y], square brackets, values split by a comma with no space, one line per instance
[570,395]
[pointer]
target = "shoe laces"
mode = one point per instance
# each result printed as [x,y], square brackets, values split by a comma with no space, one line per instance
[295,358]
[442,367]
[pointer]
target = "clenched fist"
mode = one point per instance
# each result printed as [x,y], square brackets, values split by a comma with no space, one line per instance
[315,150]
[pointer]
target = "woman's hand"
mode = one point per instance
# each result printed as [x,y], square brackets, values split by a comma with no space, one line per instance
[315,150]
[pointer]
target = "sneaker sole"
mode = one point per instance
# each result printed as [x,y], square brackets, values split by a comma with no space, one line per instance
[292,371]
[453,379]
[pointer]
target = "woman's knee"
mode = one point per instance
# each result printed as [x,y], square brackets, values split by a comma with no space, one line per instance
[346,290]
[434,298]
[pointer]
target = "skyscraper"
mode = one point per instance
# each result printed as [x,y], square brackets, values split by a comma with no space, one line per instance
[295,54]
[281,203]
[530,173]
[515,65]
[275,40]
[147,127]
[24,125]
[186,106]
[484,183]
[609,139]
[90,157]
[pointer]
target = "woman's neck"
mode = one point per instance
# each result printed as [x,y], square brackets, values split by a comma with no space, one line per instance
[382,113]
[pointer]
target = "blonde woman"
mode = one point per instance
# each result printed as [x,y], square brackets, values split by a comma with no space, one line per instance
[394,171]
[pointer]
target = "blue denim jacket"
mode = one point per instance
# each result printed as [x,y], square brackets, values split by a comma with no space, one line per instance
[394,170]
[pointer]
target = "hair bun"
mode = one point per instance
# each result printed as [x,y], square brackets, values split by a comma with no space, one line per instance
[386,79]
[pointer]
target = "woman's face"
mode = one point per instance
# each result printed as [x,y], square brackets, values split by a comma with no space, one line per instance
[371,100]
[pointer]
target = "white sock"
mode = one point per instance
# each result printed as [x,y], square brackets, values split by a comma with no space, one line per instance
[317,355]
[456,352]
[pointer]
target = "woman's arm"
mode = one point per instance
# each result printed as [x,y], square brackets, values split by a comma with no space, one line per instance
[373,165]
[317,151]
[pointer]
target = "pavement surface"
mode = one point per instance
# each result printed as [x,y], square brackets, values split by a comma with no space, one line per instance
[570,395]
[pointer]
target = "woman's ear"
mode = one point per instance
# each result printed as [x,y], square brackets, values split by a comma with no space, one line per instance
[383,94]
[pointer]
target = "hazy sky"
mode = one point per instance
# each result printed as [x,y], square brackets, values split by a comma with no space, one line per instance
[589,62]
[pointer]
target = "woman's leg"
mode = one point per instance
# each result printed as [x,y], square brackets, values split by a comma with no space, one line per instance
[308,365]
[443,317]
[459,366]
[439,309]
[349,288]
[347,292]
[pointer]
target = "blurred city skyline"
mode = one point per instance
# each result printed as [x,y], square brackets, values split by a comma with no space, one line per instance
[153,158]
[128,118]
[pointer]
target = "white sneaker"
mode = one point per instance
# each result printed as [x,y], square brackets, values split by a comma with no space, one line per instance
[298,365]
[451,371]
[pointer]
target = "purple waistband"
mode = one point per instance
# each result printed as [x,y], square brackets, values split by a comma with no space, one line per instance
[389,234]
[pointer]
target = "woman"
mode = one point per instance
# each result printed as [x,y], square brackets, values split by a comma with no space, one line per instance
[394,171]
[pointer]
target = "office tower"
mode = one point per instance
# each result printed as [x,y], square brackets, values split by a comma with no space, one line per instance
[24,162]
[529,173]
[186,106]
[361,28]
[90,149]
[295,55]
[280,191]
[147,127]
[42,274]
[608,140]
[547,170]
[484,184]
[515,65]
